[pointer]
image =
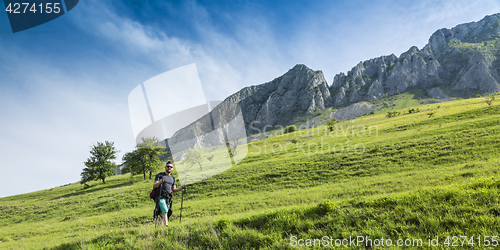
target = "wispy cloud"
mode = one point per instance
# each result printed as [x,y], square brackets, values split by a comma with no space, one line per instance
[225,63]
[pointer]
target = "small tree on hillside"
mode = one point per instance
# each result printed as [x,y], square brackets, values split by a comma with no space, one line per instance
[489,99]
[145,158]
[133,161]
[232,147]
[99,165]
[331,123]
[195,156]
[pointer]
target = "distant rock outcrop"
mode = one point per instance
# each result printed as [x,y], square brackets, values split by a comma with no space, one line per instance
[466,57]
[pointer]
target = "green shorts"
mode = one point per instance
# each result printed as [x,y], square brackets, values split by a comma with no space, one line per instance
[164,206]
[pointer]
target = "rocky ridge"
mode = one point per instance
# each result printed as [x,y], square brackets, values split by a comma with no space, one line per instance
[464,58]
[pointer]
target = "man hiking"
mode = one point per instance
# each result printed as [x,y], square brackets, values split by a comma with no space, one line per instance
[167,189]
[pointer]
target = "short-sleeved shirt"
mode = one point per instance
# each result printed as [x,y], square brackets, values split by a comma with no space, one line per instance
[169,181]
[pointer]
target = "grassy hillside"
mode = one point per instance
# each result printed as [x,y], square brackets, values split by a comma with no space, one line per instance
[428,173]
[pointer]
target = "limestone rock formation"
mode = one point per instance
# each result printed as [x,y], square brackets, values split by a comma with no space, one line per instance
[466,57]
[300,91]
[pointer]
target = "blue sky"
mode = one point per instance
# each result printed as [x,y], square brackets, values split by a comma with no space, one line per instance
[64,84]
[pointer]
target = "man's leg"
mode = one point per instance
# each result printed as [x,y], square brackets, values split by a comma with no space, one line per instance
[164,209]
[163,220]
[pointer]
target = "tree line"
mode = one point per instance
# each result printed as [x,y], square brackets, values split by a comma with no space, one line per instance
[144,159]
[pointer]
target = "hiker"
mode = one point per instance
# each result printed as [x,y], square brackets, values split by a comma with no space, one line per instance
[167,189]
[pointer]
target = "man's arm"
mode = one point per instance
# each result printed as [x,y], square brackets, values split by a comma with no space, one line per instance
[157,183]
[175,190]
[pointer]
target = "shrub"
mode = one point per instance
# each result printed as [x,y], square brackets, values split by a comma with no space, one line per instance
[325,207]
[392,113]
[290,129]
[4,239]
[412,110]
[330,123]
[222,223]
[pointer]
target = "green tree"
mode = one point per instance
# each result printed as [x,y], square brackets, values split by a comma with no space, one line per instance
[331,123]
[489,99]
[231,146]
[145,158]
[99,165]
[195,156]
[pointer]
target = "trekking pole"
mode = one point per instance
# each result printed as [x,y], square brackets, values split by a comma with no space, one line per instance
[155,217]
[182,199]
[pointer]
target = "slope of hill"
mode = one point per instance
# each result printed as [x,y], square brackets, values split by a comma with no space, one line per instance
[419,174]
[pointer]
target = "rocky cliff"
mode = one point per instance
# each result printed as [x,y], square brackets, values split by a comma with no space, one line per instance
[299,92]
[466,57]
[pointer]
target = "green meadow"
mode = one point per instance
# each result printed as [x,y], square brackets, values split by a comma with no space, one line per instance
[429,179]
